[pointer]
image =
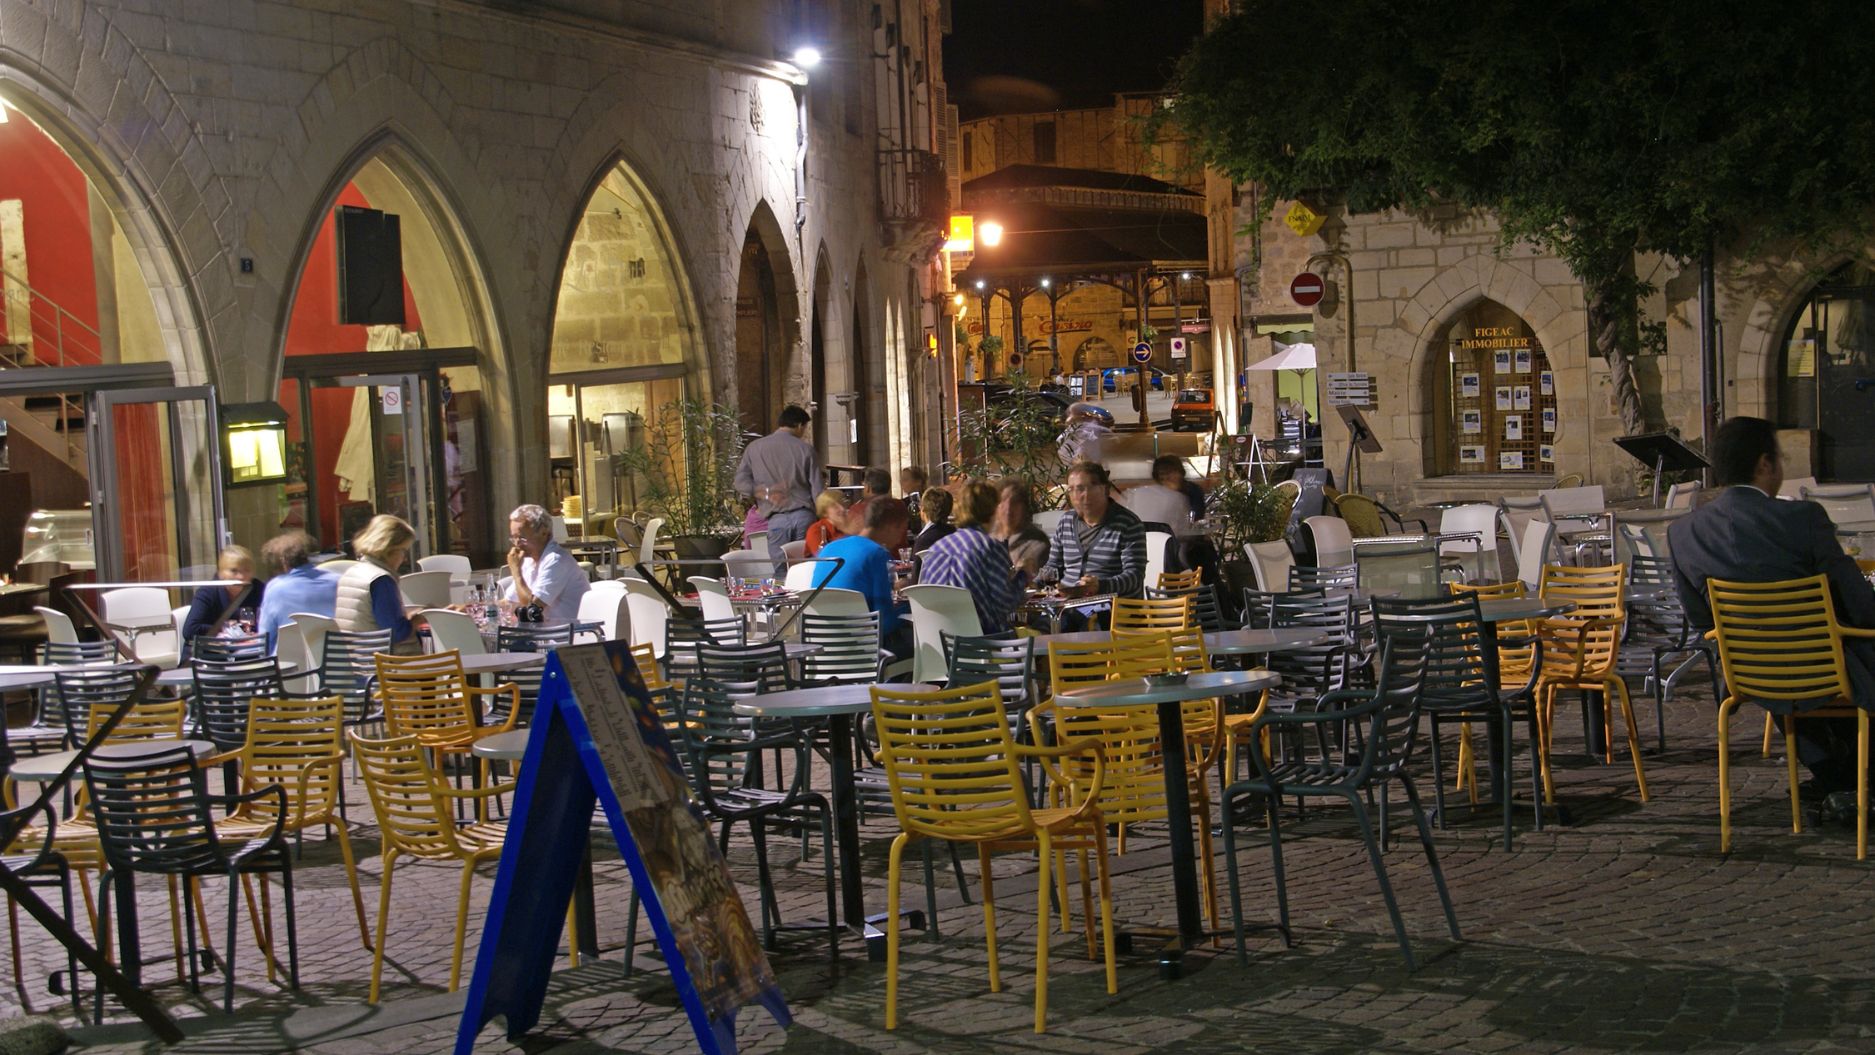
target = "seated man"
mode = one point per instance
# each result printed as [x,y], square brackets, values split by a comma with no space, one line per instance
[297,586]
[1746,534]
[1102,547]
[543,572]
[867,569]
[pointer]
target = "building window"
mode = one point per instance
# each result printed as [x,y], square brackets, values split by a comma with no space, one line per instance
[1044,142]
[969,159]
[1496,405]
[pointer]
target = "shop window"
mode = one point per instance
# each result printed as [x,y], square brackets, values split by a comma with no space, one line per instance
[1496,411]
[1826,373]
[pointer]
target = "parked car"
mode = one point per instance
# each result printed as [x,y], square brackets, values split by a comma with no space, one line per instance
[1109,378]
[1192,407]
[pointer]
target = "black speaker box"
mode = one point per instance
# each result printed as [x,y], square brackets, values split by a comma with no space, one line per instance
[371,267]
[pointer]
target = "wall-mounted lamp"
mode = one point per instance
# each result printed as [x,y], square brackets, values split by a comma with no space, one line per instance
[255,437]
[806,56]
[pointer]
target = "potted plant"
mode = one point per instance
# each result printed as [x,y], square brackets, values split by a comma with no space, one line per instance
[1016,436]
[685,472]
[1244,512]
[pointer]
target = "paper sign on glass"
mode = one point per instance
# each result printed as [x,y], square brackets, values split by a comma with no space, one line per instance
[1523,360]
[1546,383]
[1501,361]
[1520,397]
[1510,460]
[1549,419]
[1471,455]
[1468,386]
[1503,397]
[1513,427]
[1473,421]
[1547,453]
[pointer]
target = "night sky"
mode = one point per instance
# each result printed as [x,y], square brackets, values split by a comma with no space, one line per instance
[1024,56]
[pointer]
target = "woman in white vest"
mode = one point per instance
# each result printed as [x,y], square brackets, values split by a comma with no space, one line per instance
[368,596]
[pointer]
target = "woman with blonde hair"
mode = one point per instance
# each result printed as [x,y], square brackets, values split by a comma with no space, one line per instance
[214,605]
[830,507]
[368,596]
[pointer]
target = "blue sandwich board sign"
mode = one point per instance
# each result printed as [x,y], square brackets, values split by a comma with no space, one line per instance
[597,737]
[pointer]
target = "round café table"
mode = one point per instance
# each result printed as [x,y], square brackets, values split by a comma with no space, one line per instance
[41,769]
[499,662]
[502,747]
[1221,643]
[838,704]
[1165,692]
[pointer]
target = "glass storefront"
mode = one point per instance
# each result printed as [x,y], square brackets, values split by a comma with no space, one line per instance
[1496,405]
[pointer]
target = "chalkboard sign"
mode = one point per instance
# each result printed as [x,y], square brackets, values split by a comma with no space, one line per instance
[597,738]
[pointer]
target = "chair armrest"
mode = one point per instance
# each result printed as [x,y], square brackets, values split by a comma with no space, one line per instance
[1324,717]
[472,793]
[1856,631]
[1044,752]
[279,821]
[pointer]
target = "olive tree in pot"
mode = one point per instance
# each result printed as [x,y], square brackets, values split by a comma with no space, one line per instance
[1243,512]
[685,472]
[1017,437]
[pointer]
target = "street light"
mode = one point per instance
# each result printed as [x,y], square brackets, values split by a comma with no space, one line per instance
[807,56]
[990,233]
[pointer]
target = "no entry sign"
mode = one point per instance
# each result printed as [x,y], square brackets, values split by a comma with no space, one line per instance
[1306,289]
[1142,352]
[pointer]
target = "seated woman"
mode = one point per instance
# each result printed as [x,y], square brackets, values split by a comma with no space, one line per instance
[830,507]
[867,566]
[1015,527]
[937,516]
[969,557]
[214,605]
[368,597]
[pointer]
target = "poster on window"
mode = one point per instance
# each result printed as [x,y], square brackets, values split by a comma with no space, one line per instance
[1500,361]
[1503,397]
[1468,387]
[1546,383]
[1471,455]
[1547,453]
[1523,360]
[1513,427]
[1510,460]
[1549,421]
[1520,397]
[1473,421]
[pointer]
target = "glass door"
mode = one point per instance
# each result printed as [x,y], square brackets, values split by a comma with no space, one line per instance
[593,419]
[384,457]
[155,483]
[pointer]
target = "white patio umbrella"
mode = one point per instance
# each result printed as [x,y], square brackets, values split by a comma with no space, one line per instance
[1297,357]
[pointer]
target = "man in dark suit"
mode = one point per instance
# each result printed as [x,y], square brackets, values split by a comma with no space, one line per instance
[1748,534]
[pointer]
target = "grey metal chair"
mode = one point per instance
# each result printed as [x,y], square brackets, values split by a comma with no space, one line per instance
[1658,631]
[1326,577]
[1382,721]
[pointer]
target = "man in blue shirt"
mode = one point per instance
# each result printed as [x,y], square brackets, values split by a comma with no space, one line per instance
[867,569]
[544,573]
[298,586]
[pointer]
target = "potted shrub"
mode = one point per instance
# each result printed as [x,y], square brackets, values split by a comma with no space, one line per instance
[686,473]
[1243,512]
[1018,437]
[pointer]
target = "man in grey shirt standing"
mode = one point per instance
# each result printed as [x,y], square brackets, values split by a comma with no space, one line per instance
[783,471]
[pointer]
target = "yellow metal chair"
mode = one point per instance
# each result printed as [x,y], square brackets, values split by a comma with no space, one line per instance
[1516,663]
[298,745]
[1157,613]
[1780,641]
[1180,581]
[646,657]
[1579,651]
[428,696]
[1133,790]
[146,720]
[415,812]
[954,774]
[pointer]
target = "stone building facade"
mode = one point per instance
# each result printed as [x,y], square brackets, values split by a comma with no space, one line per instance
[584,187]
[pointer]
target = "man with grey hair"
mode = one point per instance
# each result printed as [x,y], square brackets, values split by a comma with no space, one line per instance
[541,570]
[297,586]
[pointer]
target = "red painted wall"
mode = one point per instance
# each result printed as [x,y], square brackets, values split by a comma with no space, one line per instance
[314,329]
[57,217]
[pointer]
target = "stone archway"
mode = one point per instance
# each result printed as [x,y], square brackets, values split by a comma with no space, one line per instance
[767,325]
[826,365]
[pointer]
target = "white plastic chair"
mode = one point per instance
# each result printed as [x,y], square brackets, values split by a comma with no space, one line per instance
[1792,487]
[757,542]
[713,598]
[1271,562]
[794,550]
[1479,523]
[1533,552]
[1518,511]
[59,628]
[1580,516]
[647,549]
[559,528]
[1047,519]
[834,601]
[455,564]
[455,630]
[299,664]
[747,564]
[936,610]
[606,608]
[142,614]
[1845,503]
[800,577]
[313,629]
[1334,543]
[648,615]
[1156,543]
[427,589]
[1683,495]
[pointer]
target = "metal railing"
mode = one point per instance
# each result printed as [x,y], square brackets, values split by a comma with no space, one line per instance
[53,337]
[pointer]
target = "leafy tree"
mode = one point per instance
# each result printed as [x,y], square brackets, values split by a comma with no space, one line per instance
[1595,129]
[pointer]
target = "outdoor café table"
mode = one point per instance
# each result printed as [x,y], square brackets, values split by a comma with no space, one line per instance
[497,662]
[1166,692]
[1220,643]
[1054,606]
[184,676]
[40,769]
[838,704]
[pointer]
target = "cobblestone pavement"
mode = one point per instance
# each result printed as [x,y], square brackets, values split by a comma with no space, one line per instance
[1625,931]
